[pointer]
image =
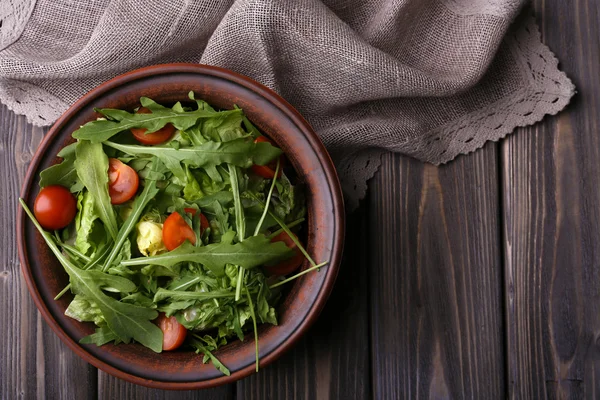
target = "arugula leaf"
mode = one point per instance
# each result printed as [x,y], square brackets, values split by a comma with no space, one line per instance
[140,299]
[240,220]
[242,152]
[223,128]
[184,282]
[265,312]
[221,221]
[193,135]
[201,348]
[119,120]
[127,321]
[264,214]
[287,230]
[177,295]
[250,128]
[251,253]
[92,169]
[113,282]
[63,174]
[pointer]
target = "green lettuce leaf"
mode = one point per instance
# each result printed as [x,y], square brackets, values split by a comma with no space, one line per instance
[102,336]
[83,310]
[92,169]
[84,223]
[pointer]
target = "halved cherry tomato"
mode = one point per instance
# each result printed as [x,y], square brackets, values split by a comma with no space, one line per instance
[173,332]
[54,207]
[267,171]
[203,220]
[288,266]
[176,231]
[160,136]
[123,181]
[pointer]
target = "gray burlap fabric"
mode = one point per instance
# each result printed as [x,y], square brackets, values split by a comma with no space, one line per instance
[428,78]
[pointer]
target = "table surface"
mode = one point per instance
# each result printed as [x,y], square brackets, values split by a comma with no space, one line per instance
[478,279]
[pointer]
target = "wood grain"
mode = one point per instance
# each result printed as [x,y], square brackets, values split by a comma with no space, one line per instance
[332,360]
[442,268]
[110,387]
[550,187]
[436,279]
[34,363]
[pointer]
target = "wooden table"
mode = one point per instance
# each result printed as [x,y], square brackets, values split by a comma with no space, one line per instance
[479,279]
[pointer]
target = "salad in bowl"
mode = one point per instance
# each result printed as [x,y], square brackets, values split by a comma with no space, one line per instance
[178,226]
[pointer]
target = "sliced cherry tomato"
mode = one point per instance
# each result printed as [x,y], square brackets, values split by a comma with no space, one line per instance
[267,171]
[204,224]
[160,136]
[173,332]
[176,231]
[203,220]
[123,181]
[54,207]
[288,266]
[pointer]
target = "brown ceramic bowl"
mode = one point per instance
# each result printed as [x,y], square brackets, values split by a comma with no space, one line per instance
[307,295]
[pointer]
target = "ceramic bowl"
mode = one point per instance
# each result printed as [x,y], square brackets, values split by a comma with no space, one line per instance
[305,297]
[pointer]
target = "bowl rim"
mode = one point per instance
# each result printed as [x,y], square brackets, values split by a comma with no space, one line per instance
[328,170]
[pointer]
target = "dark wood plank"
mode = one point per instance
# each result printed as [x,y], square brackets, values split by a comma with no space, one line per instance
[332,360]
[436,279]
[110,387]
[552,224]
[34,363]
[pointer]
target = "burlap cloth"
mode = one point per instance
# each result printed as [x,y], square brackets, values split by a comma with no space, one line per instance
[427,78]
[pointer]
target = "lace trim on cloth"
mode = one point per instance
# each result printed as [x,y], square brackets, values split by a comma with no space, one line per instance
[40,107]
[14,15]
[549,91]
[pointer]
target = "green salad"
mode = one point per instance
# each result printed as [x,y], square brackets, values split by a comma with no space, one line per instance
[177,226]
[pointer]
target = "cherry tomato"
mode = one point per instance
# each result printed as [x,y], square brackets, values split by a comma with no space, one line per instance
[288,266]
[176,231]
[123,181]
[203,220]
[267,171]
[54,207]
[160,136]
[173,332]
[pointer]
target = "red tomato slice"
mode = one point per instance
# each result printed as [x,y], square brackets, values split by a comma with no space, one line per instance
[267,171]
[173,332]
[54,207]
[160,136]
[123,181]
[288,266]
[176,231]
[203,220]
[204,224]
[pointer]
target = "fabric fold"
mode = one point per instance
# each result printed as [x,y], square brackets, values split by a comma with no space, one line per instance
[430,79]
